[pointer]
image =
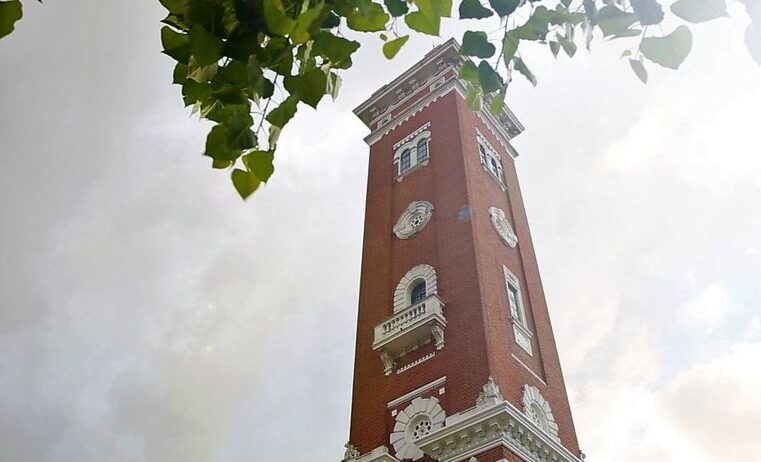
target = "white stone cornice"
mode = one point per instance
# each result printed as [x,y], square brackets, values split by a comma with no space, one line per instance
[452,84]
[497,423]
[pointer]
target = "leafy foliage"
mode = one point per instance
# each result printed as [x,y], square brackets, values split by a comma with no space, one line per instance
[248,65]
[10,12]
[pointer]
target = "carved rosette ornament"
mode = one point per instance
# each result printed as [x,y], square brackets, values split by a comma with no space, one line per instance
[413,219]
[421,417]
[502,226]
[536,408]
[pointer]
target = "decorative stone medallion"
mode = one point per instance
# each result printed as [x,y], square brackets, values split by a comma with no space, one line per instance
[536,408]
[421,417]
[502,226]
[413,219]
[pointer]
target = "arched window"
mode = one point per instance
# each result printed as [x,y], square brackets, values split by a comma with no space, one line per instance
[415,286]
[418,293]
[405,162]
[422,150]
[412,151]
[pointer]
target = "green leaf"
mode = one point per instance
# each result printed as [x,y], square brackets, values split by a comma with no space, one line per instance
[554,48]
[277,21]
[174,6]
[284,112]
[669,51]
[473,97]
[639,68]
[469,72]
[504,7]
[521,67]
[434,9]
[221,164]
[306,24]
[245,182]
[309,86]
[205,47]
[590,11]
[337,49]
[649,12]
[536,26]
[699,10]
[334,85]
[10,12]
[569,46]
[180,73]
[368,17]
[260,163]
[419,22]
[390,49]
[237,121]
[331,21]
[488,78]
[509,47]
[497,104]
[176,45]
[216,145]
[472,9]
[397,7]
[615,22]
[476,44]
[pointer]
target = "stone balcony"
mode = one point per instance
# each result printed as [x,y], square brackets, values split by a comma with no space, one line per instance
[408,329]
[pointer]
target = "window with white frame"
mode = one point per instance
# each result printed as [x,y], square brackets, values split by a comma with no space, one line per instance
[413,151]
[418,284]
[517,311]
[490,159]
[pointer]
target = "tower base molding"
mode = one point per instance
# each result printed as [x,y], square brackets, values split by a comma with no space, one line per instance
[491,424]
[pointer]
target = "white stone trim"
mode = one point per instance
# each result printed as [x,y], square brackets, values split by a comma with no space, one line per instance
[518,319]
[420,410]
[412,135]
[412,147]
[482,139]
[417,392]
[413,219]
[532,397]
[379,454]
[492,424]
[416,362]
[402,295]
[528,369]
[502,227]
[490,156]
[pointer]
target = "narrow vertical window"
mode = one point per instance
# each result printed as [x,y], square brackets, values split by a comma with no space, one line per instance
[422,150]
[494,168]
[405,162]
[515,311]
[418,293]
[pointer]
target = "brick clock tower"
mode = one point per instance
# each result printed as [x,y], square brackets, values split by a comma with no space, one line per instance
[455,356]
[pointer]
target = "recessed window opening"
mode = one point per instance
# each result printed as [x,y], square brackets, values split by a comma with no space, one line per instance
[405,162]
[412,152]
[422,150]
[515,311]
[418,293]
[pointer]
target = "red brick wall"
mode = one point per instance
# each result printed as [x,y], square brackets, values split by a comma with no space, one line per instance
[468,257]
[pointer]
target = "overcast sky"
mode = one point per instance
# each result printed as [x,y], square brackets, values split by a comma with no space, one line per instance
[148,314]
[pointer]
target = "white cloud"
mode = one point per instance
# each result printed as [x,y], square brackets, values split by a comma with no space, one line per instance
[708,310]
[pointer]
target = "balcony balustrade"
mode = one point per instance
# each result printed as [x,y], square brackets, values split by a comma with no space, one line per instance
[408,329]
